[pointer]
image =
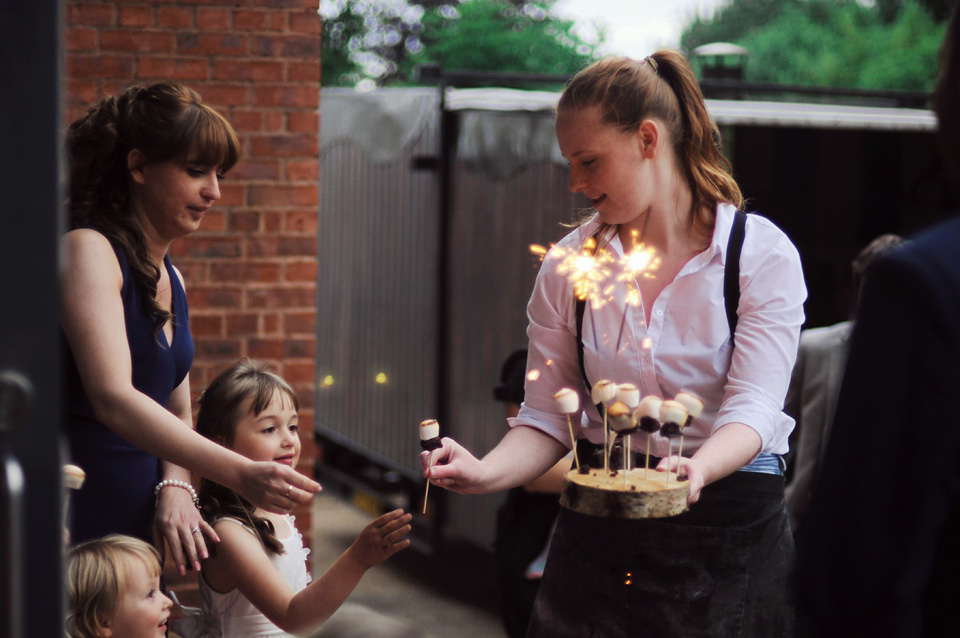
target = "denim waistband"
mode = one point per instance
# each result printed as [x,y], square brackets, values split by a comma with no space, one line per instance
[766,463]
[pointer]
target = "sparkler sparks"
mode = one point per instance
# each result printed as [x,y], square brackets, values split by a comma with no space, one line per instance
[588,269]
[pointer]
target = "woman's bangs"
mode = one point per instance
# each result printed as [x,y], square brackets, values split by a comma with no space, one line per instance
[213,140]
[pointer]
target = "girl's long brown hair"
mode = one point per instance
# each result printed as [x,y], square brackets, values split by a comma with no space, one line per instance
[662,85]
[164,121]
[221,406]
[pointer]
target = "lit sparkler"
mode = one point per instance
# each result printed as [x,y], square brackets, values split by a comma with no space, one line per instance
[639,262]
[588,269]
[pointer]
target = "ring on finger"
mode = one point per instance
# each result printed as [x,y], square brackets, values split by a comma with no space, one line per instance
[195,529]
[287,493]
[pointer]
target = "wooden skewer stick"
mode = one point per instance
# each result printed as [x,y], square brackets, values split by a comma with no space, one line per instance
[648,419]
[646,466]
[622,422]
[673,415]
[573,442]
[629,395]
[669,454]
[694,407]
[426,491]
[604,392]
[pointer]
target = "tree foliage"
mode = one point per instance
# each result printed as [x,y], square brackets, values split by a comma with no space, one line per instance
[890,44]
[383,41]
[492,35]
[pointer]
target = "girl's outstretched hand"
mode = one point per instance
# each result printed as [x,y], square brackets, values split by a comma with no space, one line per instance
[276,487]
[381,539]
[453,467]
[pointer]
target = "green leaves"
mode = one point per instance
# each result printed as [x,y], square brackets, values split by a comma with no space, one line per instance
[366,40]
[836,43]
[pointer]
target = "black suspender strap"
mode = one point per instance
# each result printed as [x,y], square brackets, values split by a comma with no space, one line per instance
[581,305]
[731,270]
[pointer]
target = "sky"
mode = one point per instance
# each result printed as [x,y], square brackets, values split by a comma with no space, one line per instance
[635,28]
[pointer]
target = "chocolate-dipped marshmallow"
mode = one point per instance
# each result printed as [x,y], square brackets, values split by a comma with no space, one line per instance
[673,417]
[430,435]
[648,414]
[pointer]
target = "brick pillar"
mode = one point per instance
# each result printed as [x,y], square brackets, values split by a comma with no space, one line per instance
[250,270]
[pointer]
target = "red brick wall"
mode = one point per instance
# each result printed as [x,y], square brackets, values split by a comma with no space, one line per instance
[251,268]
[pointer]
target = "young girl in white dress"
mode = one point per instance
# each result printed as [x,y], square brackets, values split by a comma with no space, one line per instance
[255,582]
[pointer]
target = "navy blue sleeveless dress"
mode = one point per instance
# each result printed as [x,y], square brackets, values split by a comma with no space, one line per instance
[117,495]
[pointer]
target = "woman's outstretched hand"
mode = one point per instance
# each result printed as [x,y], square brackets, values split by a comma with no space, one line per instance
[275,487]
[452,467]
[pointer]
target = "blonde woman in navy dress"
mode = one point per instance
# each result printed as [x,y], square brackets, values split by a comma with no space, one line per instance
[643,149]
[145,168]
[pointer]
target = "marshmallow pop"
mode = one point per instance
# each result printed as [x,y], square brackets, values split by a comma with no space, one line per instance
[429,441]
[648,420]
[629,395]
[673,417]
[568,402]
[604,392]
[694,407]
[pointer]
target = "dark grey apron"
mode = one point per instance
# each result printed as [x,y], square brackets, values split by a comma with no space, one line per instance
[720,569]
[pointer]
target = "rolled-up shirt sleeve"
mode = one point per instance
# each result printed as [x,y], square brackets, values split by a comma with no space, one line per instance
[770,313]
[552,361]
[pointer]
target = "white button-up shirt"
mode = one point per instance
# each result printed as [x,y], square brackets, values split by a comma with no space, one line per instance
[685,347]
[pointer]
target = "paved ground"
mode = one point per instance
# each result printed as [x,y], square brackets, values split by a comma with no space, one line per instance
[452,594]
[448,595]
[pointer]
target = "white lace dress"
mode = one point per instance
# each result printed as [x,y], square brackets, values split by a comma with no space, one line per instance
[231,615]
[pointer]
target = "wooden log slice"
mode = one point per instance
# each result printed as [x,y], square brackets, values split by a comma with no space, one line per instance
[600,493]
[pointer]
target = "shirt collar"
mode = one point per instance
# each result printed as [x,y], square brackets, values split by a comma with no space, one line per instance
[723,222]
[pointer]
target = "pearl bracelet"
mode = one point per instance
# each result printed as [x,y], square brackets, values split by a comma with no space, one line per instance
[175,483]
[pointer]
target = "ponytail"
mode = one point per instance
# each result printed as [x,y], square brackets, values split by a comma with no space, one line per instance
[662,85]
[698,146]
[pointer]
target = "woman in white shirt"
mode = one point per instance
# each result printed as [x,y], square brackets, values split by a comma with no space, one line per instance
[644,150]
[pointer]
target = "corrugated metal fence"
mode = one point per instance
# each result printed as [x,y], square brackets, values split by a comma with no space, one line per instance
[378,348]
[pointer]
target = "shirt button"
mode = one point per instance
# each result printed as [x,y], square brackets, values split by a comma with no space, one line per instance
[659,313]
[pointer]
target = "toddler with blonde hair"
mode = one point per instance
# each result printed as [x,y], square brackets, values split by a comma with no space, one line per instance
[113,587]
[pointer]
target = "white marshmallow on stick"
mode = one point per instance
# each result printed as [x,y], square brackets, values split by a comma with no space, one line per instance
[568,402]
[73,478]
[629,395]
[648,419]
[694,407]
[673,416]
[429,441]
[604,392]
[622,423]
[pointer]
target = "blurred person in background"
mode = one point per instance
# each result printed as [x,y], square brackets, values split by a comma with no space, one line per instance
[879,549]
[815,384]
[526,520]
